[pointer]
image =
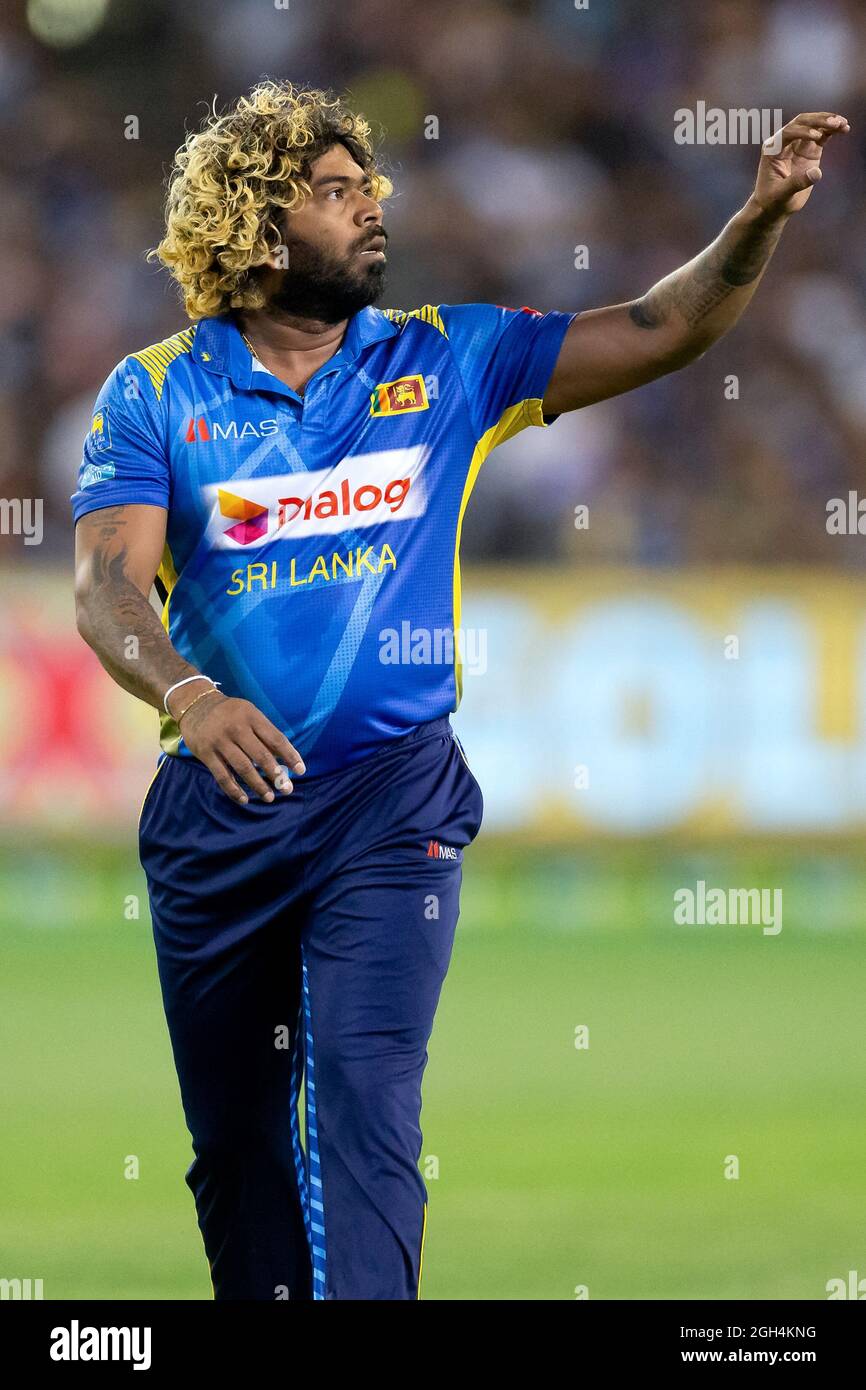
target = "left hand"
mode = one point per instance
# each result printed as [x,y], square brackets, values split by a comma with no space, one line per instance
[791,161]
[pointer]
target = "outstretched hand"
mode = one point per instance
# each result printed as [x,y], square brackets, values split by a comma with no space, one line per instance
[791,161]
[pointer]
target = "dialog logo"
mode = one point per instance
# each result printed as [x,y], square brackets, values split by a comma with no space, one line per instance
[252,517]
[359,492]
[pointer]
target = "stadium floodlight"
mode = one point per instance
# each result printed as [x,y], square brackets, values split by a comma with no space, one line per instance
[65,23]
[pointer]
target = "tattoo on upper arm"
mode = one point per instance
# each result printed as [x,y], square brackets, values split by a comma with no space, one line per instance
[735,259]
[106,522]
[645,313]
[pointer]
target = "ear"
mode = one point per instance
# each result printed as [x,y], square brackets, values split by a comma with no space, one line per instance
[278,259]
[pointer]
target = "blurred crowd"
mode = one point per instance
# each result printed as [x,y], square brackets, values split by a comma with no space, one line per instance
[554,129]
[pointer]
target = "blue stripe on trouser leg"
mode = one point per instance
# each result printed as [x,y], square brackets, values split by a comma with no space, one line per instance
[294,1122]
[315,1202]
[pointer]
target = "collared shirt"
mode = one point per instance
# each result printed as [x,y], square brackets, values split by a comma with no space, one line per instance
[312,542]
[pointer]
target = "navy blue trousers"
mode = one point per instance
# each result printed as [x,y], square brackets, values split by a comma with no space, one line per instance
[307,939]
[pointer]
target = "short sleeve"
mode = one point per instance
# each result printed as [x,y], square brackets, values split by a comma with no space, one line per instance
[505,358]
[125,458]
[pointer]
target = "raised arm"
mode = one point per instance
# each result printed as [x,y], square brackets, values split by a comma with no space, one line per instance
[608,351]
[117,553]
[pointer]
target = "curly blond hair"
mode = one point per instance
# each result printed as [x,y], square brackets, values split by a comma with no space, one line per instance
[232,178]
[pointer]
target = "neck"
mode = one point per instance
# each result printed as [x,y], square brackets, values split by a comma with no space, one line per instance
[286,335]
[291,348]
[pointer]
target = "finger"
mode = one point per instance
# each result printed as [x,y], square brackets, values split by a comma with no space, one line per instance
[279,745]
[822,118]
[796,183]
[224,779]
[267,764]
[245,768]
[807,149]
[819,135]
[789,135]
[808,127]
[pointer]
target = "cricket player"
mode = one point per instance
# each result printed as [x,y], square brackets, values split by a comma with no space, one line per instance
[291,471]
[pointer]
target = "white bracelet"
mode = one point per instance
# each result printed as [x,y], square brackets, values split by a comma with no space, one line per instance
[186,680]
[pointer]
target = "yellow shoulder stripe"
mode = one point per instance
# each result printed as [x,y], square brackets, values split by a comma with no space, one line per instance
[169,733]
[157,358]
[428,313]
[167,574]
[509,423]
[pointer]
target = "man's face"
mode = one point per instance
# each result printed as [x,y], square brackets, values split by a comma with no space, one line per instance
[335,245]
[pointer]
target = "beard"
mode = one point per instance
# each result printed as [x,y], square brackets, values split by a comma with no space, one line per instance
[320,286]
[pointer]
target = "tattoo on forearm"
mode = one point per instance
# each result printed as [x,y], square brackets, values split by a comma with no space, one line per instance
[118,610]
[734,260]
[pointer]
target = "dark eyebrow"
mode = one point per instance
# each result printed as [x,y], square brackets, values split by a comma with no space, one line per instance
[364,181]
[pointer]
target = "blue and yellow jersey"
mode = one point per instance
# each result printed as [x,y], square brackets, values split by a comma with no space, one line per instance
[312,553]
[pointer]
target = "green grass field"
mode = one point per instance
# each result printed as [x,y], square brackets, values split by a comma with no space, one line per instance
[556,1167]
